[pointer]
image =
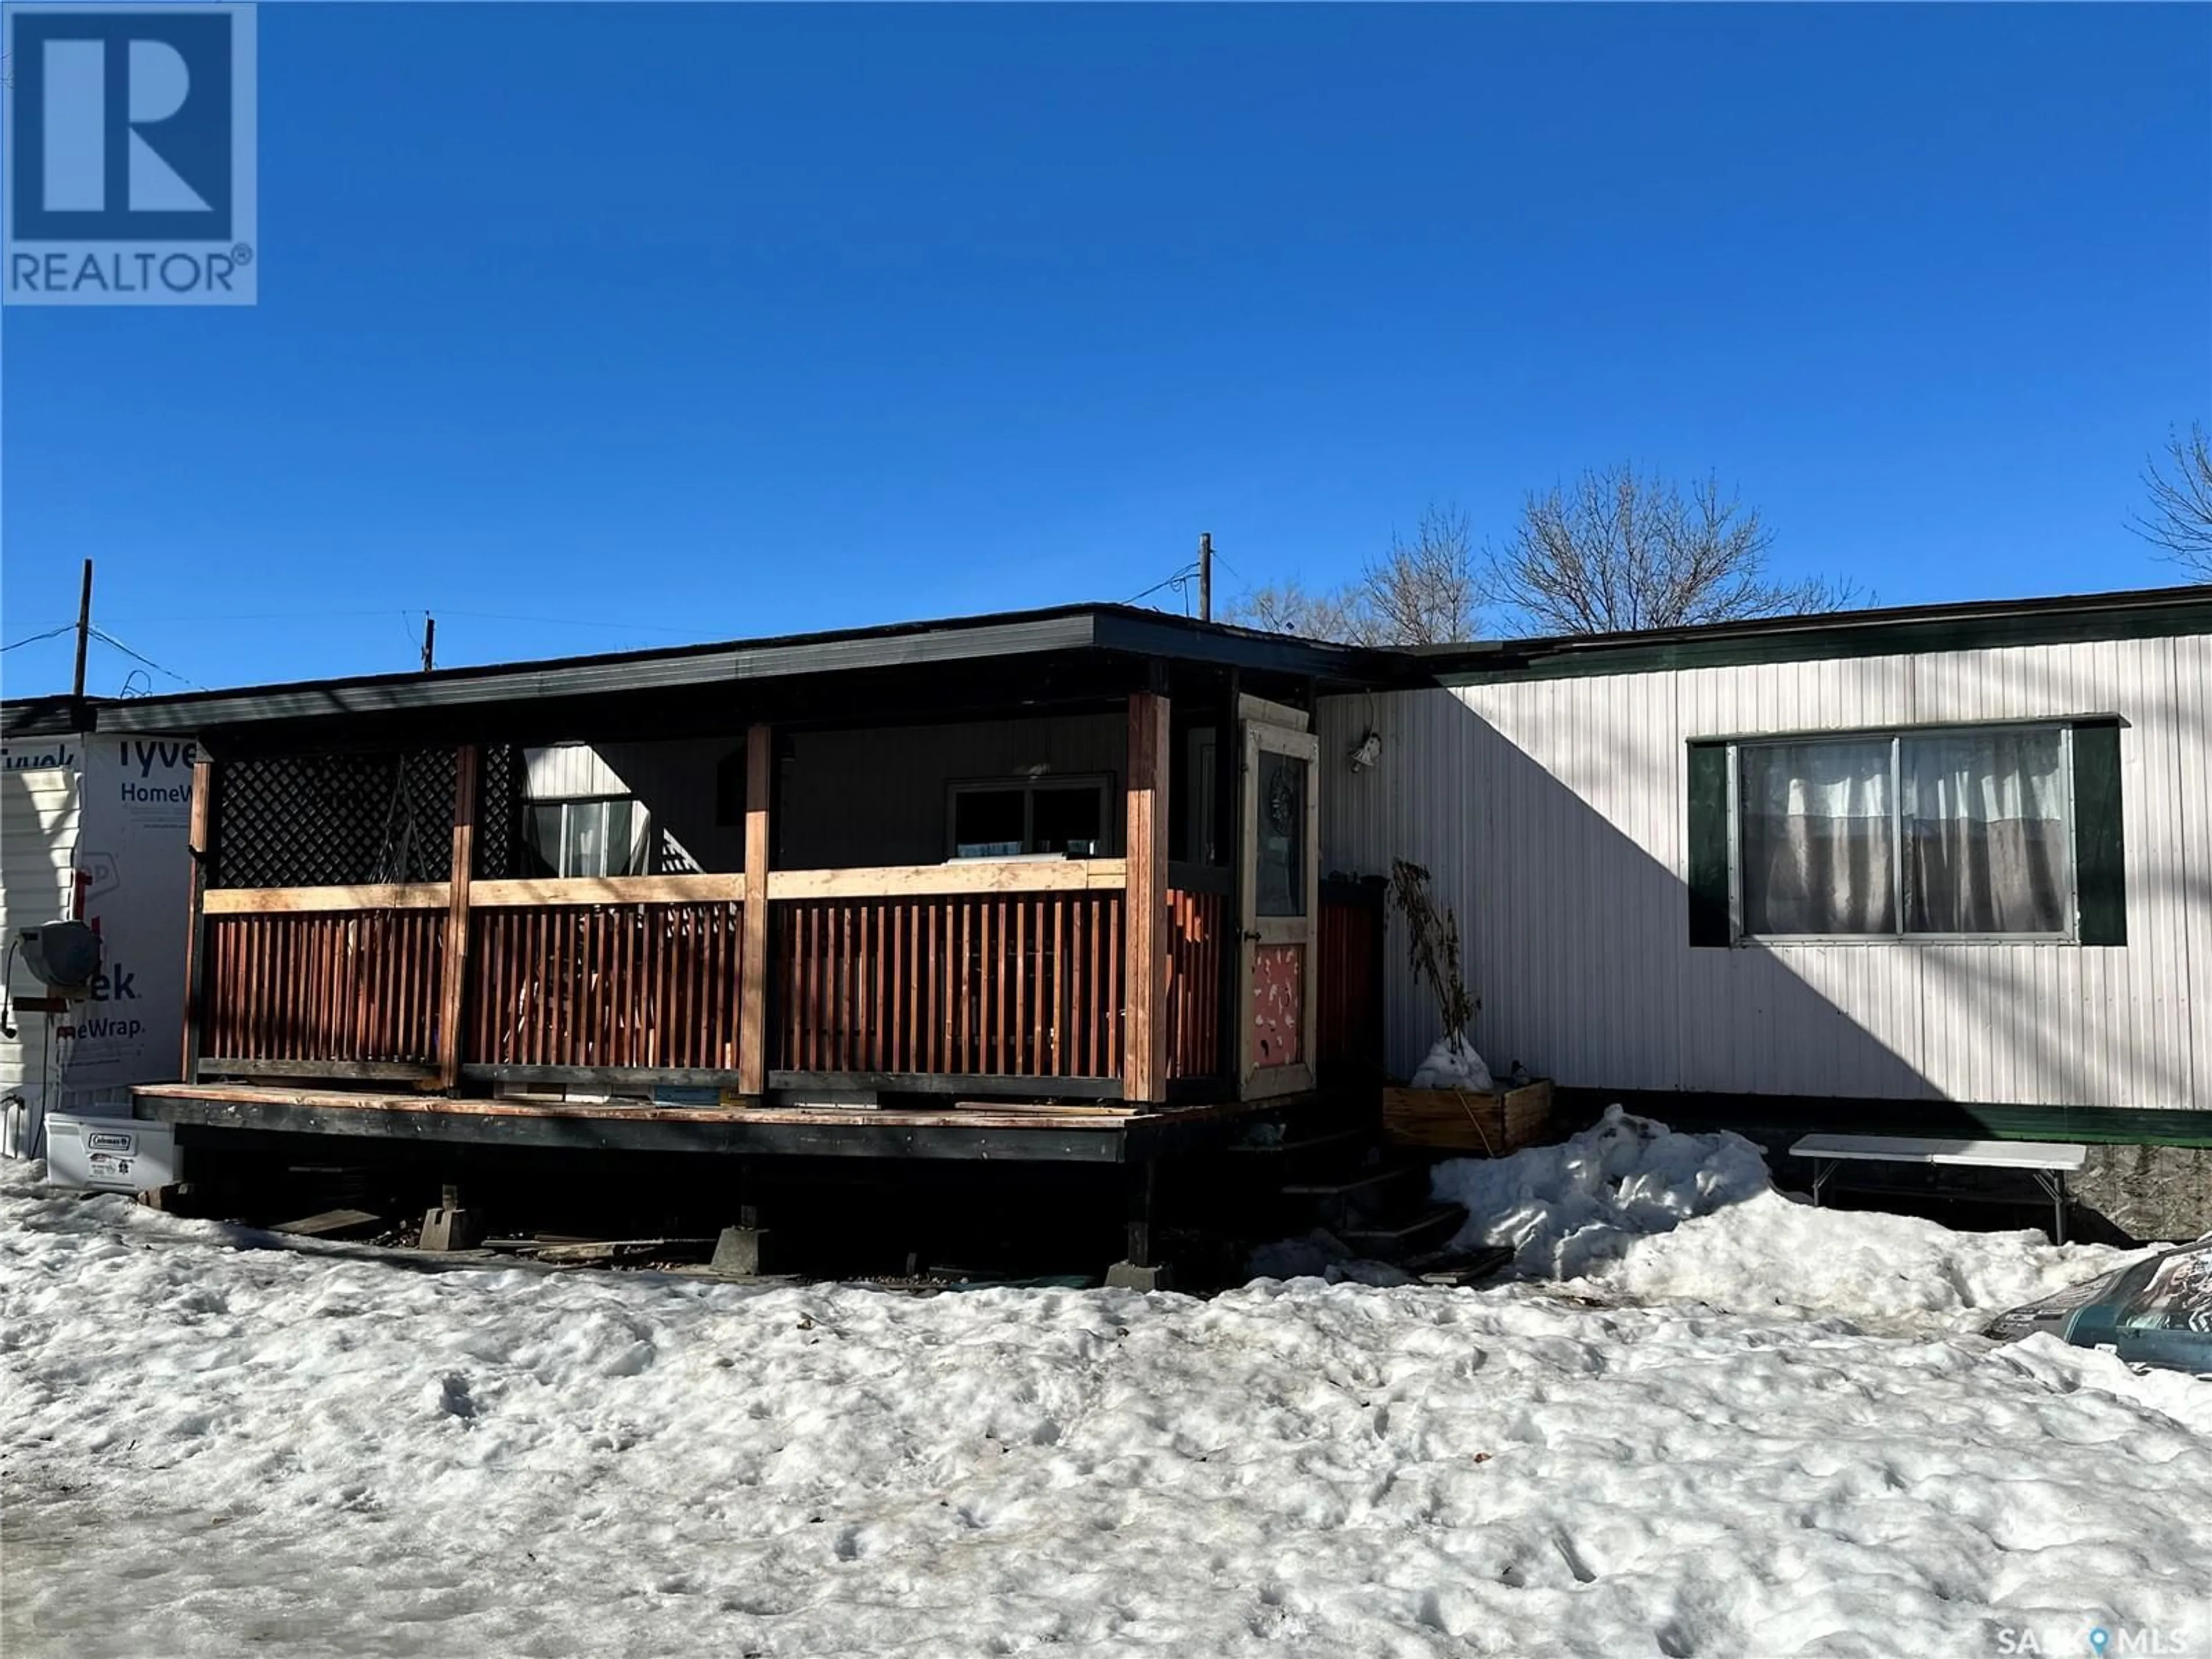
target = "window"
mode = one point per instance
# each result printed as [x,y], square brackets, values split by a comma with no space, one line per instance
[1816,838]
[1199,828]
[1067,818]
[1279,869]
[1966,832]
[989,823]
[589,837]
[1003,819]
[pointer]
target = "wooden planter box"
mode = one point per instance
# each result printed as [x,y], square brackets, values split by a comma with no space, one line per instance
[1463,1121]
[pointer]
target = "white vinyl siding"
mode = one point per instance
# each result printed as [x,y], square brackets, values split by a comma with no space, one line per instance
[39,812]
[1553,814]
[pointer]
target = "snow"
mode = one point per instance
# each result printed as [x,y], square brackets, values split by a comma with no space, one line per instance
[1453,1064]
[1320,1254]
[210,1449]
[1566,1207]
[1629,1209]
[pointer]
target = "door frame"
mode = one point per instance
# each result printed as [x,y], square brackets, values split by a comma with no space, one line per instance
[1257,737]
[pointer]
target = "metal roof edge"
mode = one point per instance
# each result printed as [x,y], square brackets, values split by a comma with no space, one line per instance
[55,714]
[2131,613]
[905,644]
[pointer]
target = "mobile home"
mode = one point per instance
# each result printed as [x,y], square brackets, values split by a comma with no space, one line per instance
[1053,884]
[1938,871]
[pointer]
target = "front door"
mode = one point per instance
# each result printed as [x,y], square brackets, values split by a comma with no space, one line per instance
[1277,896]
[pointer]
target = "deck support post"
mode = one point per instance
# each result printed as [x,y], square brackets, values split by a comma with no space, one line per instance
[752,973]
[1144,1058]
[1139,1270]
[737,1252]
[200,843]
[452,1226]
[1228,840]
[453,986]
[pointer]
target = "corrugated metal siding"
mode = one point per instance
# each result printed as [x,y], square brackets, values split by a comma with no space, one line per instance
[2192,715]
[1552,813]
[569,771]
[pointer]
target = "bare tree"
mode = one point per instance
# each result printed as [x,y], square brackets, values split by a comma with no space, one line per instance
[1617,551]
[1422,591]
[2179,518]
[1286,607]
[1425,590]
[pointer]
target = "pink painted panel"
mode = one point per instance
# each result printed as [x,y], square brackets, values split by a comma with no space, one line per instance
[1279,1005]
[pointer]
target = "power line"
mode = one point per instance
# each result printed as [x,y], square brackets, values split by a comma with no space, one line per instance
[105,638]
[1179,581]
[52,633]
[569,622]
[165,617]
[406,615]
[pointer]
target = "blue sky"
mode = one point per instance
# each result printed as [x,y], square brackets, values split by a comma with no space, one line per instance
[588,327]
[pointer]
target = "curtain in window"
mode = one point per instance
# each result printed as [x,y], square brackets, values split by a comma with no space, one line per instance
[1985,832]
[1818,847]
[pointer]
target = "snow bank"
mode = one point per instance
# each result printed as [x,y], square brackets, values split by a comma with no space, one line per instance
[1567,1208]
[1631,1209]
[211,1451]
[1773,1251]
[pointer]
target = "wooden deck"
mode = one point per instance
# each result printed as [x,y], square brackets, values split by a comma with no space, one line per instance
[1055,1133]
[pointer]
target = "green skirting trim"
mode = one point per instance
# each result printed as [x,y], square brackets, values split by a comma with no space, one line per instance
[2128,1126]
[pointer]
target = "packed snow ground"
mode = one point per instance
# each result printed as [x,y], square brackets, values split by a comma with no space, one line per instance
[212,1451]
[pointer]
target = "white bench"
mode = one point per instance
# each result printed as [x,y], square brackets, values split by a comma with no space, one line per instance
[2049,1161]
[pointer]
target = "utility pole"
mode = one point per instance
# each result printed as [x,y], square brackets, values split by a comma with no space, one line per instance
[1205,575]
[429,641]
[84,630]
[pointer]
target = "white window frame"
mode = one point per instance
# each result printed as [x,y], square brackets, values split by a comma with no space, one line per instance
[1100,781]
[1896,736]
[641,831]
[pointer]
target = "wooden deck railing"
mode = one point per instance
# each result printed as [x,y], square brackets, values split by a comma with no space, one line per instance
[601,988]
[1005,984]
[1005,971]
[1196,943]
[316,990]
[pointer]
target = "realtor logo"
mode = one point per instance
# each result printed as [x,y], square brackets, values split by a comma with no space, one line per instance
[131,156]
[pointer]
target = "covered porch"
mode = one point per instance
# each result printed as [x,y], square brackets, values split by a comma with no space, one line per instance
[893,880]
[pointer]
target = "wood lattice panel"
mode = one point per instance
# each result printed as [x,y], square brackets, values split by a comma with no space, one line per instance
[499,849]
[335,820]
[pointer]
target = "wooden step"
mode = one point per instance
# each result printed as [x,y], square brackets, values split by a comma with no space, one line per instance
[1365,1195]
[1425,1230]
[1459,1267]
[1366,1182]
[332,1224]
[1335,1148]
